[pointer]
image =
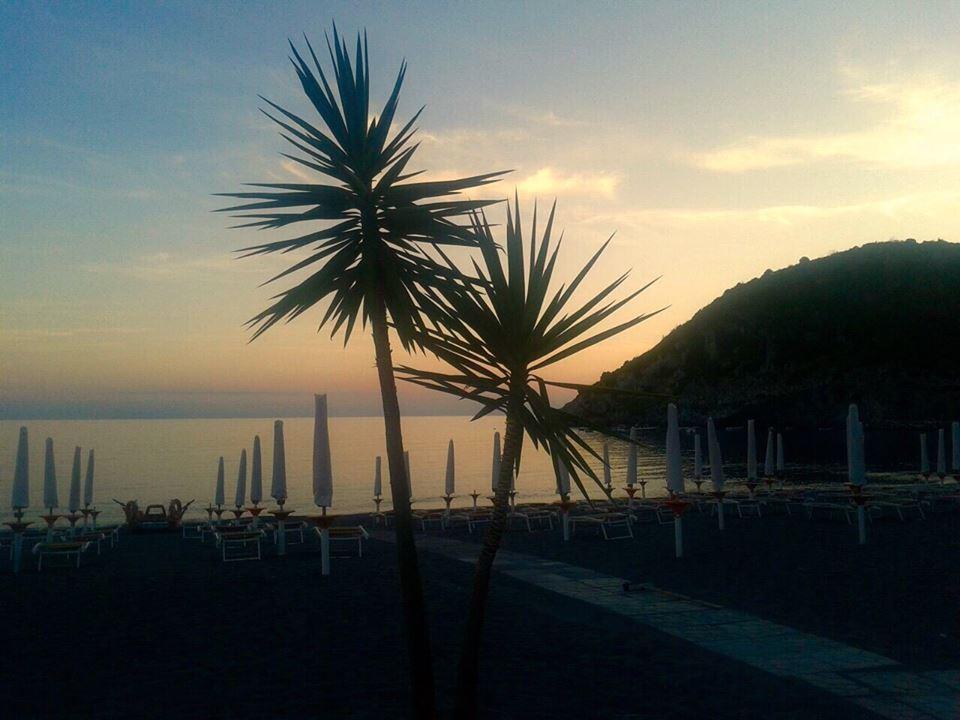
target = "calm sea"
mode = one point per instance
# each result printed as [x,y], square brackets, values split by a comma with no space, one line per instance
[153,461]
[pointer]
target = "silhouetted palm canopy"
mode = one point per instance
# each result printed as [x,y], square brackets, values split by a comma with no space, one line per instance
[376,224]
[500,333]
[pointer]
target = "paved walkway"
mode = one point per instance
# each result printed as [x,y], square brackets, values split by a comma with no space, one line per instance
[872,681]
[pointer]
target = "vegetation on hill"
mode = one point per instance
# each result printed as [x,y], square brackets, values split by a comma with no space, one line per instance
[878,325]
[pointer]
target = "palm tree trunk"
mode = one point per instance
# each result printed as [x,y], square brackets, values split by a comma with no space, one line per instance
[469,670]
[411,588]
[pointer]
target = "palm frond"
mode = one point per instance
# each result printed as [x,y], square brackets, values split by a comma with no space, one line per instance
[378,231]
[497,331]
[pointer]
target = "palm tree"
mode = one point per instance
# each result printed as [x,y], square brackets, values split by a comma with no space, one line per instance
[369,256]
[498,338]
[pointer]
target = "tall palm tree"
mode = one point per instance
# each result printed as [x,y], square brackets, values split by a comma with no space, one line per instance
[498,336]
[369,254]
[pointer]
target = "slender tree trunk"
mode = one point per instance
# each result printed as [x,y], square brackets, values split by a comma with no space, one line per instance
[414,606]
[469,670]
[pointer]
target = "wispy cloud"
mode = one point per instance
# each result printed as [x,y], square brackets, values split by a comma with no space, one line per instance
[548,182]
[921,129]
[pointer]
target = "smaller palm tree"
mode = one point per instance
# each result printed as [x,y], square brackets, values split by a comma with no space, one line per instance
[498,335]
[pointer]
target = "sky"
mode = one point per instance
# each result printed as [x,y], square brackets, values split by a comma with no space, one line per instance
[716,140]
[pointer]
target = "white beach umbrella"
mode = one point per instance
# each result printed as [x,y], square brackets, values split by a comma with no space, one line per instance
[322,464]
[751,451]
[716,462]
[20,497]
[377,479]
[674,467]
[241,497]
[563,479]
[607,475]
[955,446]
[768,466]
[495,465]
[74,504]
[256,473]
[697,457]
[632,458]
[941,454]
[450,479]
[51,499]
[924,459]
[278,482]
[218,495]
[88,481]
[780,453]
[856,469]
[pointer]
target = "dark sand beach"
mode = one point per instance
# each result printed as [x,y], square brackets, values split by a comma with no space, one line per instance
[159,627]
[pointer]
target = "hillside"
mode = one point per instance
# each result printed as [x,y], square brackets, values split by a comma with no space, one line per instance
[879,325]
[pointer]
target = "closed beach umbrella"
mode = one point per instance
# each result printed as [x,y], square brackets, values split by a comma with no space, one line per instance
[256,473]
[941,454]
[377,479]
[450,480]
[241,496]
[955,446]
[607,476]
[697,457]
[768,468]
[74,504]
[218,495]
[21,474]
[322,465]
[563,479]
[716,462]
[88,482]
[50,496]
[780,453]
[751,451]
[924,459]
[856,468]
[674,468]
[632,458]
[495,467]
[278,483]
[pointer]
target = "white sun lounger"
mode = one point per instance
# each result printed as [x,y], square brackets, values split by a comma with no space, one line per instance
[65,550]
[613,526]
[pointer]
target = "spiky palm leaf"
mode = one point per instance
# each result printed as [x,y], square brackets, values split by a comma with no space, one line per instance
[500,335]
[377,224]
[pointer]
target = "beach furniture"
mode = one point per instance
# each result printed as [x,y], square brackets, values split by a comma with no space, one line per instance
[611,525]
[348,535]
[293,530]
[65,550]
[93,539]
[241,545]
[192,531]
[532,518]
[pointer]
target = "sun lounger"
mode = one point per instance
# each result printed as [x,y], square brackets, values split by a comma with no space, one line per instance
[91,538]
[66,550]
[613,526]
[348,534]
[532,518]
[240,545]
[192,531]
[437,518]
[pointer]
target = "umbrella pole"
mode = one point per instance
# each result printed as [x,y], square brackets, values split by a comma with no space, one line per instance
[324,545]
[862,524]
[720,513]
[678,535]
